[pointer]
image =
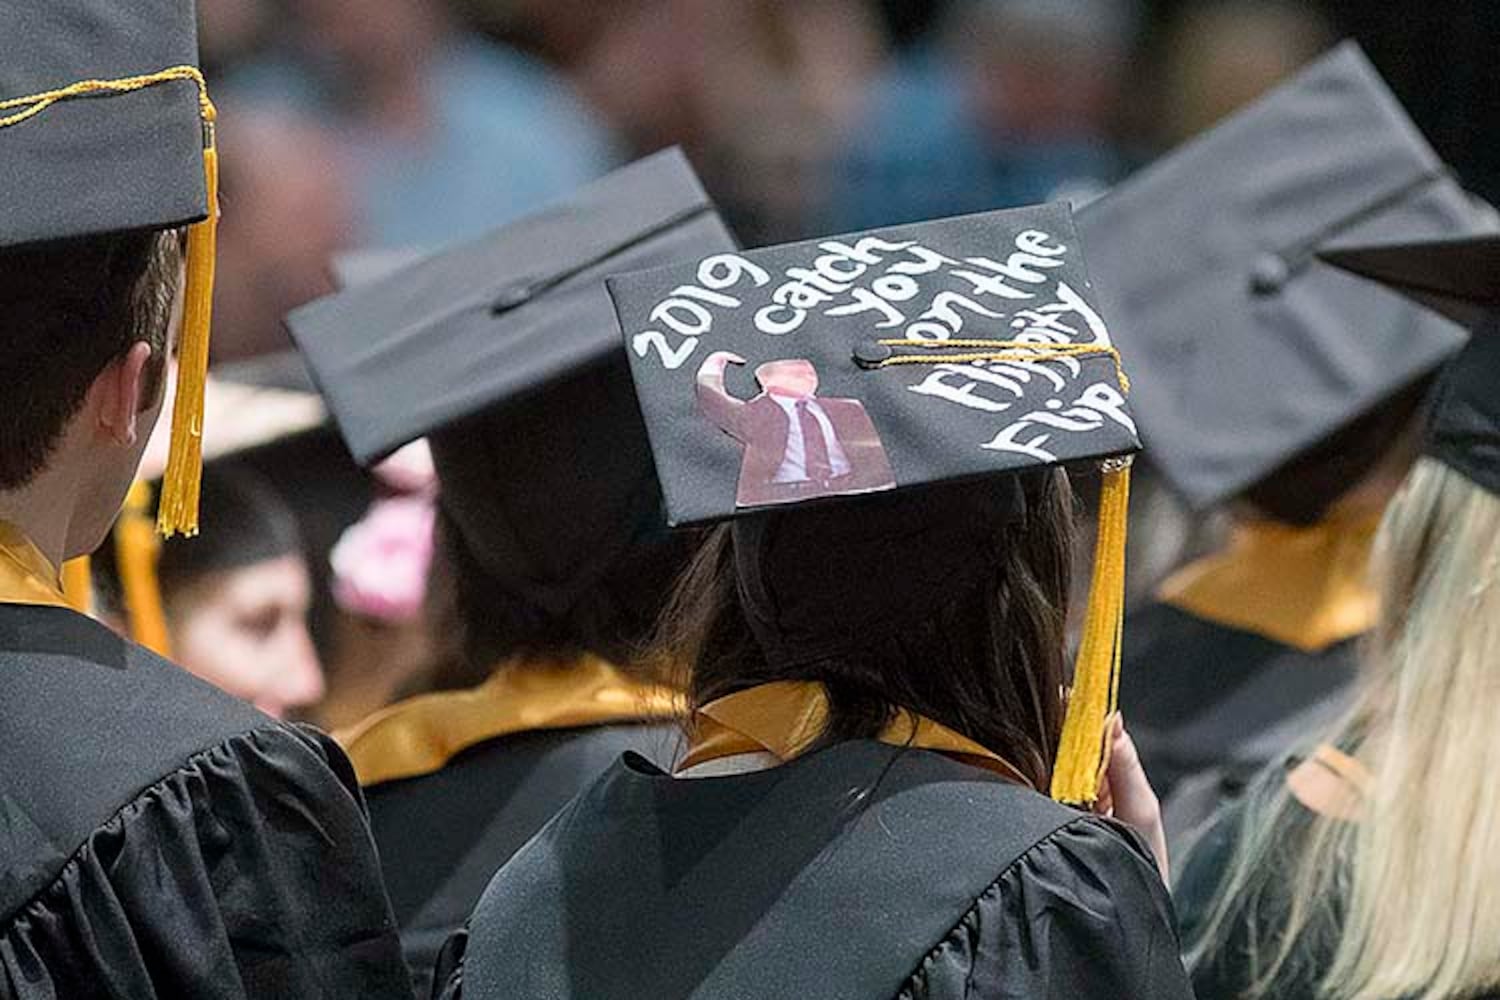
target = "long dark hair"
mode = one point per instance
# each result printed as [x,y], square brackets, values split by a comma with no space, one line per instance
[988,663]
[480,622]
[551,540]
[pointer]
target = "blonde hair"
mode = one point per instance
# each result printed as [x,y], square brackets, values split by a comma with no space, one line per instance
[1406,901]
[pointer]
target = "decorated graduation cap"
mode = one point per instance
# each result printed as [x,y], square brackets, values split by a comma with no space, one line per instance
[105,127]
[872,388]
[504,353]
[1248,348]
[1460,278]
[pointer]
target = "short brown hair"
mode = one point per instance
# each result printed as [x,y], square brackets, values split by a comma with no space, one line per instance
[68,309]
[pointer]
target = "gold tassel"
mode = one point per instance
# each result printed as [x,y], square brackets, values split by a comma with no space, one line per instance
[1083,751]
[178,510]
[78,585]
[137,550]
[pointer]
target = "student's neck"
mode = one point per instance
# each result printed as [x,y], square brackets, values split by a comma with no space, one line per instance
[43,511]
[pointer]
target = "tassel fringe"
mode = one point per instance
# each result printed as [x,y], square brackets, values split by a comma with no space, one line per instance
[1083,752]
[178,510]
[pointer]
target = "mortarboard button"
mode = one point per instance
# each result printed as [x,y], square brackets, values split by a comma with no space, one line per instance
[871,353]
[1269,274]
[511,298]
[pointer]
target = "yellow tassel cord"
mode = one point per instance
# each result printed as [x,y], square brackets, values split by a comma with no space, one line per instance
[178,508]
[137,550]
[999,350]
[1083,751]
[78,585]
[179,500]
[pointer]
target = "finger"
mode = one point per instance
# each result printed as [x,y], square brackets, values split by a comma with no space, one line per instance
[1104,805]
[1125,768]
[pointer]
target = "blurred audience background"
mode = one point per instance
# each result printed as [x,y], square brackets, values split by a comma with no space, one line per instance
[407,124]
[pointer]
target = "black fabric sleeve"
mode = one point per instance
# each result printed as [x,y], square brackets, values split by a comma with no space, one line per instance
[247,873]
[1084,913]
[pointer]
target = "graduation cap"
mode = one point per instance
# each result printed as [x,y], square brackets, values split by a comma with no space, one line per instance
[851,403]
[1456,276]
[504,353]
[106,126]
[240,416]
[1460,278]
[1249,350]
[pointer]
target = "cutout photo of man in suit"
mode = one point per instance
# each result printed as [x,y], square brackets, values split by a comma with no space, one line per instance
[797,444]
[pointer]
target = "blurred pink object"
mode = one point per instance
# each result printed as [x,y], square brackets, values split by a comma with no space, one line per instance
[380,564]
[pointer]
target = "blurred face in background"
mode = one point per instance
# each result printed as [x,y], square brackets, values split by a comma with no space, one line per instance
[229,30]
[1040,70]
[367,38]
[245,631]
[286,213]
[1220,56]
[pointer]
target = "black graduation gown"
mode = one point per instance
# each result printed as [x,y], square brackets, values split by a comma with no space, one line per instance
[1205,701]
[160,839]
[442,836]
[859,871]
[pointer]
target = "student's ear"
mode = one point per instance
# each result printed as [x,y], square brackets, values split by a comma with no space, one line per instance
[121,390]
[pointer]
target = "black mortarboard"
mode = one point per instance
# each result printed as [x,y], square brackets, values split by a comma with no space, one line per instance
[884,322]
[460,330]
[1249,350]
[106,126]
[241,415]
[99,164]
[505,354]
[909,363]
[1457,276]
[1460,278]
